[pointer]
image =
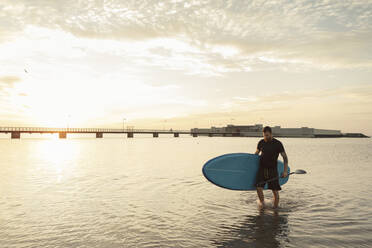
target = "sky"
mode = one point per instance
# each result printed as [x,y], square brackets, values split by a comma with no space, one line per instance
[183,64]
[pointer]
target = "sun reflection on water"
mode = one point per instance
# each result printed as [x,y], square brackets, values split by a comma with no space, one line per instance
[57,157]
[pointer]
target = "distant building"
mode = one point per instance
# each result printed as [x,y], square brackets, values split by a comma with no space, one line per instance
[244,128]
[278,131]
[305,132]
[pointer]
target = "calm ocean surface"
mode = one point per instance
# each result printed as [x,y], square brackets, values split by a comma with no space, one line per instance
[146,192]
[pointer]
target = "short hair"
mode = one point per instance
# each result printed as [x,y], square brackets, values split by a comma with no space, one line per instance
[267,129]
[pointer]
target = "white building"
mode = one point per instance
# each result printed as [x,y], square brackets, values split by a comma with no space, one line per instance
[256,131]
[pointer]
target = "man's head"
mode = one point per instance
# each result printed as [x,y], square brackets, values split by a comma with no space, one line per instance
[267,133]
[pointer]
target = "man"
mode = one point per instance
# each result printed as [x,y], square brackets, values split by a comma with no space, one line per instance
[270,148]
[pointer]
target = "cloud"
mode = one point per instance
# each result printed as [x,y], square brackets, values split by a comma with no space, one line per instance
[344,108]
[356,94]
[223,56]
[8,81]
[265,34]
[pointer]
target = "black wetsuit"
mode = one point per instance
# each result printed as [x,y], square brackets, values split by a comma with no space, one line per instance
[268,163]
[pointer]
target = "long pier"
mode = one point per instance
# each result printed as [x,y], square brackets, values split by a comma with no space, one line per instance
[15,132]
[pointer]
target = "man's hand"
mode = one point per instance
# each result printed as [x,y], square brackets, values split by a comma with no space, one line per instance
[285,158]
[284,174]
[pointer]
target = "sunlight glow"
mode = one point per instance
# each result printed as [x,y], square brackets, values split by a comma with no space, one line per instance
[59,156]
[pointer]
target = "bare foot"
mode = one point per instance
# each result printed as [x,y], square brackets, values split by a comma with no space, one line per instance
[260,204]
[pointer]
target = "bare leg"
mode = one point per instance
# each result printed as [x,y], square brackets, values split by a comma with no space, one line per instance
[261,195]
[276,198]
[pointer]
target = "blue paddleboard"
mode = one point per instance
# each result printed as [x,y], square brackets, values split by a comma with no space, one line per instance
[237,171]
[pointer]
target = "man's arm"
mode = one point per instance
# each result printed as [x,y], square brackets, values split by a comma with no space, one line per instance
[259,147]
[285,160]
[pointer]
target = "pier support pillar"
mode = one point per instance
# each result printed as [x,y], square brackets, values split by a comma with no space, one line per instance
[210,135]
[224,135]
[194,135]
[130,135]
[99,135]
[62,135]
[16,135]
[155,135]
[176,135]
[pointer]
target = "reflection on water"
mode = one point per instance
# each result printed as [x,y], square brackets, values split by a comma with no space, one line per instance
[268,228]
[147,192]
[58,157]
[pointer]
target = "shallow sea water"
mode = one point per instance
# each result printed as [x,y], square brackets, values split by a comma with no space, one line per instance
[147,192]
